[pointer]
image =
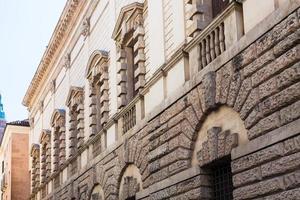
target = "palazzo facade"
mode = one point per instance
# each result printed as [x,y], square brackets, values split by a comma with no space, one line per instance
[165,99]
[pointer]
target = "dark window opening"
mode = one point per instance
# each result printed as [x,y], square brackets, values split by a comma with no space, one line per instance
[222,179]
[219,6]
[131,198]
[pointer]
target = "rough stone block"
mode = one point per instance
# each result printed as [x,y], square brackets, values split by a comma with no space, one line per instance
[245,57]
[171,111]
[258,63]
[257,158]
[286,195]
[290,113]
[284,28]
[251,101]
[258,189]
[292,180]
[207,91]
[281,165]
[288,76]
[234,88]
[266,124]
[242,95]
[194,99]
[292,145]
[158,152]
[247,177]
[281,99]
[281,63]
[267,88]
[287,43]
[254,116]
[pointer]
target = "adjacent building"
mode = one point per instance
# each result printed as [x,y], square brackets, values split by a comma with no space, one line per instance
[14,158]
[165,99]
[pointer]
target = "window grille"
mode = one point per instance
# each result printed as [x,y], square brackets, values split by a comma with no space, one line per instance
[222,180]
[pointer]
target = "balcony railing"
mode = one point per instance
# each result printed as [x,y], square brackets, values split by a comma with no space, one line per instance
[129,119]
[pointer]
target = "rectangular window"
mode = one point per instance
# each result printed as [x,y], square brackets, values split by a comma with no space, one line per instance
[222,180]
[219,6]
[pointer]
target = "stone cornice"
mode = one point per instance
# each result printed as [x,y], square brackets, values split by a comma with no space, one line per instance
[64,26]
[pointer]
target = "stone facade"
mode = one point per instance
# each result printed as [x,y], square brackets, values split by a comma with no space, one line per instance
[239,104]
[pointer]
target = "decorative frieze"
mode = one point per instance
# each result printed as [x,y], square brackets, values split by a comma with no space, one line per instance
[59,138]
[97,74]
[75,102]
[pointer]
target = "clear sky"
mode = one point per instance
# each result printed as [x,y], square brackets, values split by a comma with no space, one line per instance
[25,30]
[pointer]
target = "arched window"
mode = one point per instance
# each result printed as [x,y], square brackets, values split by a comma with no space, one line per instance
[35,168]
[59,137]
[222,130]
[76,113]
[129,36]
[97,74]
[45,141]
[97,193]
[131,183]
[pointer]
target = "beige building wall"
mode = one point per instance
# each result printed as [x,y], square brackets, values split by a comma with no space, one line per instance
[14,153]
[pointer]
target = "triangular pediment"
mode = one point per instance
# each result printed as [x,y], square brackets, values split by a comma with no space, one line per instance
[127,14]
[74,91]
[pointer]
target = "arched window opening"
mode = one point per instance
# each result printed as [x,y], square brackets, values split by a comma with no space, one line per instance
[131,183]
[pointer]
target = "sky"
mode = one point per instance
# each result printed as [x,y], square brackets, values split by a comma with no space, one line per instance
[25,30]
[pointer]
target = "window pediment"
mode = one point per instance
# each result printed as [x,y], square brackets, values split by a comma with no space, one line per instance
[58,117]
[45,136]
[129,18]
[97,65]
[75,96]
[35,150]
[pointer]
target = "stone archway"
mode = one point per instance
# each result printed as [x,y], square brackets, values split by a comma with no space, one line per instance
[223,122]
[97,193]
[130,183]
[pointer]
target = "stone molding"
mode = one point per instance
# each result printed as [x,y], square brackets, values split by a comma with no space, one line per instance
[45,141]
[130,20]
[97,74]
[59,137]
[67,19]
[35,173]
[75,102]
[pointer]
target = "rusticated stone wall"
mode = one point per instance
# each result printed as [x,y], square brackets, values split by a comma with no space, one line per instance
[261,83]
